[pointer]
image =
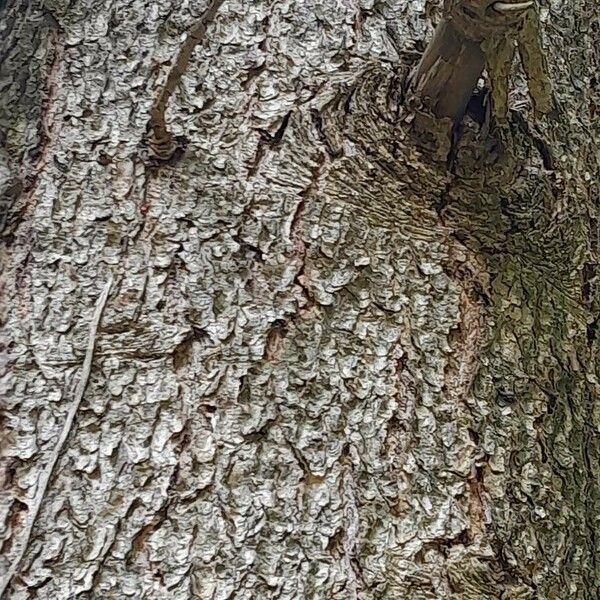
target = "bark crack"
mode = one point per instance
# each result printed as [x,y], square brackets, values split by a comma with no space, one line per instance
[268,141]
[300,245]
[37,158]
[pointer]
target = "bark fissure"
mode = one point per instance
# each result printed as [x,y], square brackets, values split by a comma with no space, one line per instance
[267,142]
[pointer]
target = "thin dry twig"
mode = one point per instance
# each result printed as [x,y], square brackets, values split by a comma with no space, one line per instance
[64,434]
[162,141]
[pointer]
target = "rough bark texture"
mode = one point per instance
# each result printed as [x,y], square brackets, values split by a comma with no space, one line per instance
[328,367]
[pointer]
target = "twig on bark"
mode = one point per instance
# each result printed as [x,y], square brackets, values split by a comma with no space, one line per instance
[64,434]
[161,140]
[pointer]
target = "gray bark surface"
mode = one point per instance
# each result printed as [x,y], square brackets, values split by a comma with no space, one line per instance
[328,367]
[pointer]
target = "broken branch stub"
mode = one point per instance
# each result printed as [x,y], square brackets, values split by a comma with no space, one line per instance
[448,72]
[443,84]
[475,35]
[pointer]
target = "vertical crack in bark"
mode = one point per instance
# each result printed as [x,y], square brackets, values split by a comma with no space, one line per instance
[47,121]
[62,438]
[476,505]
[300,245]
[161,141]
[22,184]
[161,514]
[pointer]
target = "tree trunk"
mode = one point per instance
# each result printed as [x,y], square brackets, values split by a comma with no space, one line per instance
[301,358]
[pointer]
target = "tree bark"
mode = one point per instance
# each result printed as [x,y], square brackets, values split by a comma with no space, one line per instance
[328,366]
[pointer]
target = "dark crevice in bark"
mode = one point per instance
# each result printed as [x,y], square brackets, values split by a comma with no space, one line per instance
[539,143]
[266,24]
[296,229]
[256,251]
[182,354]
[348,100]
[16,199]
[275,139]
[588,275]
[592,331]
[444,200]
[359,572]
[308,477]
[252,74]
[275,337]
[268,142]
